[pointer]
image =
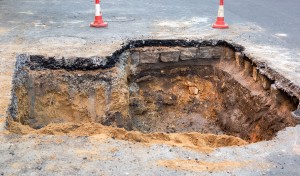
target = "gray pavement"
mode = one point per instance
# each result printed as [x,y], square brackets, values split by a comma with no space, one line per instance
[268,29]
[278,18]
[136,18]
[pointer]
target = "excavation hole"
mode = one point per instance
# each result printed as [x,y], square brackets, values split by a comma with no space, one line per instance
[206,99]
[200,87]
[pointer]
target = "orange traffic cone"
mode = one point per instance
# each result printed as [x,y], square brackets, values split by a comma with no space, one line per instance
[220,23]
[98,22]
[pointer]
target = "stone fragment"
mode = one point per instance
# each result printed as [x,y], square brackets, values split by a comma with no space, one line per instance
[193,90]
[190,84]
[169,55]
[209,52]
[149,56]
[188,53]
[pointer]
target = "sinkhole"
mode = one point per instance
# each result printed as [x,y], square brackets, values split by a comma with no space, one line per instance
[169,86]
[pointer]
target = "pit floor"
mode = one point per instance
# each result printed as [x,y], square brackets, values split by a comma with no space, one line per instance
[24,29]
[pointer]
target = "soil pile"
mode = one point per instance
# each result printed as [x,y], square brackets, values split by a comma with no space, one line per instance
[193,140]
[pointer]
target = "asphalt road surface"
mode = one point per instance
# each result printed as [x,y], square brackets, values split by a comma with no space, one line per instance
[277,17]
[134,17]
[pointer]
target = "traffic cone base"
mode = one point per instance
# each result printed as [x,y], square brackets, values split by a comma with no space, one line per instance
[98,23]
[224,26]
[220,24]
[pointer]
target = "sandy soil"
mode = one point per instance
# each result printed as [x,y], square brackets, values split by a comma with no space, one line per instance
[195,141]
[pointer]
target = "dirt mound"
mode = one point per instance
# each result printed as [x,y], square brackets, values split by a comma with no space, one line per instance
[194,140]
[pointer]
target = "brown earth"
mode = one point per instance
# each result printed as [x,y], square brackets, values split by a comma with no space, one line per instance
[195,141]
[176,104]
